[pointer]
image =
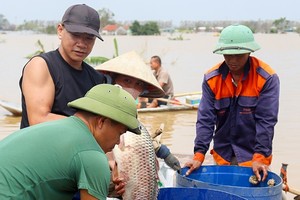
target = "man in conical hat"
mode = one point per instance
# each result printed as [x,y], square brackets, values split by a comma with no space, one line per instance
[130,71]
[132,65]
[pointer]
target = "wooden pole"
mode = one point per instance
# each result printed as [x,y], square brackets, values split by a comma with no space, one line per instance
[187,94]
[283,175]
[176,102]
[290,190]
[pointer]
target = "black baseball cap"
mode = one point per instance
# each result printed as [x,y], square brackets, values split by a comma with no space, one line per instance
[81,18]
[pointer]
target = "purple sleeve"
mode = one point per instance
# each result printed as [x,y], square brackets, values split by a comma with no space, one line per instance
[206,120]
[266,115]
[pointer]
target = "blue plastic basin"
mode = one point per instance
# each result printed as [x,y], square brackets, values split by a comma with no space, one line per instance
[231,179]
[181,193]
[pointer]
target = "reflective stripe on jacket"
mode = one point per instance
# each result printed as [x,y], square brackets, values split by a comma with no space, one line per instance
[241,119]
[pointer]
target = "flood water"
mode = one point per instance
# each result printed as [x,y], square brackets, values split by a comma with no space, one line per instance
[186,60]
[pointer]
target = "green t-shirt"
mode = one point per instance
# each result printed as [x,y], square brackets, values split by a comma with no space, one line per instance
[52,160]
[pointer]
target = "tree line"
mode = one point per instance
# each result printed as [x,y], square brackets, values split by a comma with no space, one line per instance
[155,27]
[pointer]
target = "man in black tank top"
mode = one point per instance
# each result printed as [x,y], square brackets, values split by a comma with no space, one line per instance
[50,80]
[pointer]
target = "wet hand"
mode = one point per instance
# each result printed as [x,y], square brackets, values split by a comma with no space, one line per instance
[193,164]
[259,167]
[119,185]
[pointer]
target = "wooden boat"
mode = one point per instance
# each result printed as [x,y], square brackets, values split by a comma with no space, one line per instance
[13,108]
[184,101]
[170,107]
[16,109]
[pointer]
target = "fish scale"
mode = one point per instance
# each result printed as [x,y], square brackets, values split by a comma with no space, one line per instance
[138,165]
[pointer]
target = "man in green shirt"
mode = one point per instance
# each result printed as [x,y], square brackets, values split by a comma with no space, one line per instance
[55,159]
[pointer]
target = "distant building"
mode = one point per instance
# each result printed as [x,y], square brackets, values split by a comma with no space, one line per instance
[114,29]
[202,29]
[167,30]
[218,28]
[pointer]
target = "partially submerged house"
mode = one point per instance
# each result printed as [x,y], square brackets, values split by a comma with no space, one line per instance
[114,29]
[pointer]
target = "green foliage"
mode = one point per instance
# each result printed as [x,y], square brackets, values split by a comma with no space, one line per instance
[135,28]
[30,25]
[38,26]
[116,47]
[106,17]
[281,24]
[176,38]
[93,60]
[50,30]
[4,24]
[150,28]
[250,25]
[273,30]
[97,60]
[39,51]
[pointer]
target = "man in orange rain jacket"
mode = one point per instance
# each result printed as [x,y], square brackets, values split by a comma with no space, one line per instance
[239,106]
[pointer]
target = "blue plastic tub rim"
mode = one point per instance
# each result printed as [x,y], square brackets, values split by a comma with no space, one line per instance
[245,172]
[192,193]
[232,179]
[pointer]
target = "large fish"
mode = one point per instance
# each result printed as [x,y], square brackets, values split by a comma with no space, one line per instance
[138,165]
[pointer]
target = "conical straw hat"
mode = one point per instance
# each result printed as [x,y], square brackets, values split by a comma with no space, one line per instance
[131,64]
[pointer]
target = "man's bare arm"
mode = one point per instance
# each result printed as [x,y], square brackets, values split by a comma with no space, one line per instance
[38,90]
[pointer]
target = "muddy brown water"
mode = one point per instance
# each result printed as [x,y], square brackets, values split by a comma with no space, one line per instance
[186,60]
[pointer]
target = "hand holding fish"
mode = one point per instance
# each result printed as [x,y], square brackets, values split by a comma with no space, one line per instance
[119,185]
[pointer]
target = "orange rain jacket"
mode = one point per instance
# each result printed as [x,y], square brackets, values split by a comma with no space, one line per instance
[241,119]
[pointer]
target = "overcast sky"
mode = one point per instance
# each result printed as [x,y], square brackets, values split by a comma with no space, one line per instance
[16,11]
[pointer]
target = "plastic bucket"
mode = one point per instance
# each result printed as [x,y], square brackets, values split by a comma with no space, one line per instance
[232,179]
[181,193]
